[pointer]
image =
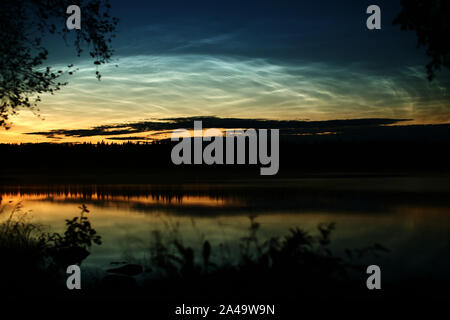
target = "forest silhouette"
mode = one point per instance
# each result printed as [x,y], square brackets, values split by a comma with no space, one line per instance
[380,150]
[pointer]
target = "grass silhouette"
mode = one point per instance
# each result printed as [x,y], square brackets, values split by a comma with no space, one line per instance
[296,264]
[33,260]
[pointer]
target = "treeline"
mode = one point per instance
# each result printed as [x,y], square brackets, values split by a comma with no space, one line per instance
[128,162]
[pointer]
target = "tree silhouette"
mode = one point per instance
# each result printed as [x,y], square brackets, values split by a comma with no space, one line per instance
[23,27]
[430,20]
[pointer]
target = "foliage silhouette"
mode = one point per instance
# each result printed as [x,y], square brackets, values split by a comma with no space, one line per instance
[24,25]
[33,259]
[299,263]
[429,18]
[73,246]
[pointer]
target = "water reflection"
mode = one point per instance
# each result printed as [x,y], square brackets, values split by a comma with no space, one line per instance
[409,216]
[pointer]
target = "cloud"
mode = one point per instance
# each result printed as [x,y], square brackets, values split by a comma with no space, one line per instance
[160,87]
[149,86]
[115,131]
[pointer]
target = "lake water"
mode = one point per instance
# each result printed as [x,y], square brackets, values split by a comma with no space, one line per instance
[408,215]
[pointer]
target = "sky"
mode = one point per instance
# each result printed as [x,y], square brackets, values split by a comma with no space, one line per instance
[278,60]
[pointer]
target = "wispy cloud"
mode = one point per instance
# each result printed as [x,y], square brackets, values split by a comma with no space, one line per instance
[184,85]
[157,87]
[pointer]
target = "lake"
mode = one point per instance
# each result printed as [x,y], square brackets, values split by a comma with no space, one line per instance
[408,215]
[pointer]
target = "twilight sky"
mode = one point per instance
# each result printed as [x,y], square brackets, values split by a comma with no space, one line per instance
[281,60]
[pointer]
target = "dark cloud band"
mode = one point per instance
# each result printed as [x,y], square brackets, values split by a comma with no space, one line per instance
[166,125]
